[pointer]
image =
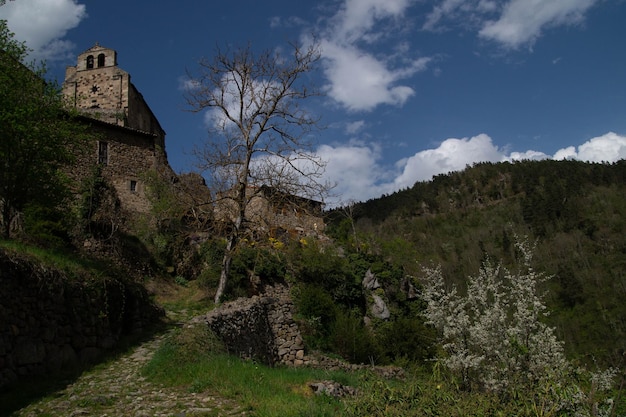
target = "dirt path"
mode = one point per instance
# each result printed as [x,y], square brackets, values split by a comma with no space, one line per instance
[117,389]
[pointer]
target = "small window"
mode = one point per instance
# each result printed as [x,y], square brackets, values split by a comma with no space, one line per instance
[100,60]
[90,62]
[103,153]
[133,186]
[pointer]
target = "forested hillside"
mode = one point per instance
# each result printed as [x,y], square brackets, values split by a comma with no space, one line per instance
[576,211]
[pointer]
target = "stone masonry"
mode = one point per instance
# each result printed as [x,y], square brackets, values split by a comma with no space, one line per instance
[263,328]
[99,88]
[128,140]
[51,322]
[260,328]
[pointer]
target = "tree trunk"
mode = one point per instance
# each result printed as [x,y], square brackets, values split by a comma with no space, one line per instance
[226,261]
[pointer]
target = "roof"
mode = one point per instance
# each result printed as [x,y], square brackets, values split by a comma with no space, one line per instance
[86,118]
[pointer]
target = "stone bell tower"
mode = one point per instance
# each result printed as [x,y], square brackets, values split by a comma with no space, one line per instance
[97,86]
[101,90]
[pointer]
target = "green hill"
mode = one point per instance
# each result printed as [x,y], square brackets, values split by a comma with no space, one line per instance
[575,210]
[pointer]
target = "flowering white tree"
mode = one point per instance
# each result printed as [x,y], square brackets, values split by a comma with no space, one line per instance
[494,339]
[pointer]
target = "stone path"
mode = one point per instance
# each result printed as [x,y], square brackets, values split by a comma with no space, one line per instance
[118,389]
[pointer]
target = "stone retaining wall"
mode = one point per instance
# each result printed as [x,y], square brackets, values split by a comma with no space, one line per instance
[49,322]
[260,328]
[263,328]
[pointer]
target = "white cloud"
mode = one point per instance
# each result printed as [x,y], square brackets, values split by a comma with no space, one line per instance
[522,21]
[357,170]
[511,23]
[42,24]
[356,18]
[609,147]
[526,156]
[444,9]
[234,100]
[355,127]
[452,155]
[186,84]
[361,80]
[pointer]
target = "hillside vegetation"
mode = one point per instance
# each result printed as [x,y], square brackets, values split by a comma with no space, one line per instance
[466,264]
[576,211]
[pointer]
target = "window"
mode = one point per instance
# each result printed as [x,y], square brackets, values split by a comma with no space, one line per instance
[100,60]
[90,62]
[103,153]
[133,186]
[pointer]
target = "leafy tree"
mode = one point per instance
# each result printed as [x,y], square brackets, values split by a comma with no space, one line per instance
[36,136]
[258,135]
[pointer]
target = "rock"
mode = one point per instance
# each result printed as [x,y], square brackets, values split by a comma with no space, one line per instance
[332,389]
[370,281]
[379,308]
[409,289]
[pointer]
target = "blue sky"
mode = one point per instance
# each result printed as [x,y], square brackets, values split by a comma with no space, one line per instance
[413,88]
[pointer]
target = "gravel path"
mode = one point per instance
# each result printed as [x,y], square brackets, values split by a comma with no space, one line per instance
[117,389]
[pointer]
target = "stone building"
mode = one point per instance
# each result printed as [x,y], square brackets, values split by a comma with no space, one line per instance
[275,213]
[129,141]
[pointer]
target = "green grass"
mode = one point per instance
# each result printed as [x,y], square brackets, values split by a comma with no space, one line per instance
[70,263]
[193,361]
[190,300]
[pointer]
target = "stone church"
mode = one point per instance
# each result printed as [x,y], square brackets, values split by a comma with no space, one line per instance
[130,142]
[129,139]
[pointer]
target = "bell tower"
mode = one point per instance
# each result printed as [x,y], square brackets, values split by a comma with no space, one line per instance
[100,89]
[97,86]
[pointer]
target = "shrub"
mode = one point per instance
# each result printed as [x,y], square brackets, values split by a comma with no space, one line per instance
[494,340]
[46,226]
[317,312]
[313,264]
[353,340]
[407,338]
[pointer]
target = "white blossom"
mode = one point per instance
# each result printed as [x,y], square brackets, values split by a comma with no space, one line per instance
[494,338]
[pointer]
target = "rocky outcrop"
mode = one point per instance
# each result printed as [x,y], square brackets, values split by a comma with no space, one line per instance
[50,321]
[370,282]
[379,308]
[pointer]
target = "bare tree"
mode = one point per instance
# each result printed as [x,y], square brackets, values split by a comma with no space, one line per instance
[259,133]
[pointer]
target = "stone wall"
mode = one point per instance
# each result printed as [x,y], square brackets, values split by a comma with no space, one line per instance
[49,321]
[274,216]
[260,328]
[140,116]
[127,139]
[130,155]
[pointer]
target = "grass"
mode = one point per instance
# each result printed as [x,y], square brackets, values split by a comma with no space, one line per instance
[195,361]
[73,265]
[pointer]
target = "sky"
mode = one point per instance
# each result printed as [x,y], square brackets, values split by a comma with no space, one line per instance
[412,88]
